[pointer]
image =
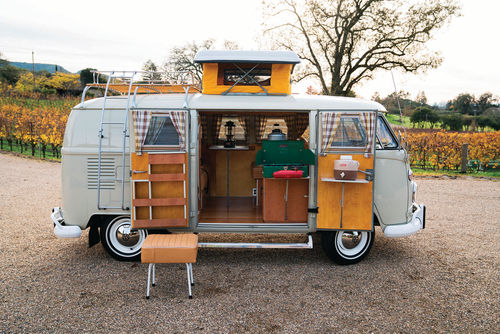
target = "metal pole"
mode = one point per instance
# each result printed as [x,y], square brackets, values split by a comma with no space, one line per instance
[33,62]
[227,180]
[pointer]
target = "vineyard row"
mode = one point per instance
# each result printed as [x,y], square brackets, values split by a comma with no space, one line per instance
[38,125]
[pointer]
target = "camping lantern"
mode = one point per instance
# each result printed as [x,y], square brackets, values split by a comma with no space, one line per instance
[230,142]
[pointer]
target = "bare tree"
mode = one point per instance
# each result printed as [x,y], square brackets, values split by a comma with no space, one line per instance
[151,69]
[181,59]
[345,41]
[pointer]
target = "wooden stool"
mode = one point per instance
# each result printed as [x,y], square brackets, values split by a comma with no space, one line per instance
[170,248]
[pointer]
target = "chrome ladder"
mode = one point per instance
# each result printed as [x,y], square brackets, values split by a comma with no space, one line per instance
[125,135]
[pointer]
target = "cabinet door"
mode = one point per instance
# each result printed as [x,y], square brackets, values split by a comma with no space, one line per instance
[159,190]
[278,209]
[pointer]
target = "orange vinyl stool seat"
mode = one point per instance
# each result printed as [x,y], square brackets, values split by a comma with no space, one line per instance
[170,248]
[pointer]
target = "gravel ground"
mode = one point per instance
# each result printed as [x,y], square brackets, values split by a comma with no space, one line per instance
[444,279]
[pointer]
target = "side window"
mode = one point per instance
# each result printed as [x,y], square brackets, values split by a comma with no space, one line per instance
[161,132]
[384,136]
[349,133]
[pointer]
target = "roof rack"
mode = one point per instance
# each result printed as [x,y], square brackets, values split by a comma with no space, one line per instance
[142,82]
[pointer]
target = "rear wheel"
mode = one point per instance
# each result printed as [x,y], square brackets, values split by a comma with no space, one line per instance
[347,247]
[120,240]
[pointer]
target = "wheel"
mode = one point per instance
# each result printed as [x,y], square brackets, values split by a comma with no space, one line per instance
[347,247]
[120,241]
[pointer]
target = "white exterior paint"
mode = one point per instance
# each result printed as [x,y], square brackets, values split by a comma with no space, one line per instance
[392,194]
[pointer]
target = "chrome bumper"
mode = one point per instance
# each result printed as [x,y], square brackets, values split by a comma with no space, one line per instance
[416,223]
[61,230]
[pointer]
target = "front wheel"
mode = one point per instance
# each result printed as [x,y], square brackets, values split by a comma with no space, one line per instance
[120,240]
[347,247]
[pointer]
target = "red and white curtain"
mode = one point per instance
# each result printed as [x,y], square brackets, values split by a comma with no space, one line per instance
[329,123]
[141,119]
[368,121]
[179,122]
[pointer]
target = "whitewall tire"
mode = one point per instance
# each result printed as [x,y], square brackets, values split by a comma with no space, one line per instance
[120,240]
[347,247]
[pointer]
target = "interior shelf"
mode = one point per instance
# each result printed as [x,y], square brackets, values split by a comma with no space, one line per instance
[331,179]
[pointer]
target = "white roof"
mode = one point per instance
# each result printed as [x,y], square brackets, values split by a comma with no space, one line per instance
[238,102]
[240,56]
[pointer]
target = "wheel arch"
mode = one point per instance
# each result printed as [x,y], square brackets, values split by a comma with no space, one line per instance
[95,222]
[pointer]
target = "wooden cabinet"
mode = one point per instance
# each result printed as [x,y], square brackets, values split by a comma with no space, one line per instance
[277,209]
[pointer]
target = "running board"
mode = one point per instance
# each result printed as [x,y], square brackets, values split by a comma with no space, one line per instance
[308,245]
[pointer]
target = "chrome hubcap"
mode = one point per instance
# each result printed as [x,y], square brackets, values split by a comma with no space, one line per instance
[123,239]
[350,239]
[126,236]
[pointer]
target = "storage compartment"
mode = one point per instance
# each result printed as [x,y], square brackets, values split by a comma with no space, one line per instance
[285,200]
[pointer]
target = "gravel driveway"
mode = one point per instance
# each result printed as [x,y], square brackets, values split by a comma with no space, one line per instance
[444,279]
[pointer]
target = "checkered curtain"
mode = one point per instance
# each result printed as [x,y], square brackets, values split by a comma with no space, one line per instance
[329,122]
[178,120]
[245,124]
[260,127]
[296,124]
[141,123]
[368,121]
[216,123]
[204,125]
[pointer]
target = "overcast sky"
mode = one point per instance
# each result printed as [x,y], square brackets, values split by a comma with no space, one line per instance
[124,34]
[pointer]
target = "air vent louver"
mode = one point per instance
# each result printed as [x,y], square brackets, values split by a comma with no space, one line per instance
[108,173]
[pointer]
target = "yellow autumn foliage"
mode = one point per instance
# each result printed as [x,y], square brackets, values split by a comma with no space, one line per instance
[443,149]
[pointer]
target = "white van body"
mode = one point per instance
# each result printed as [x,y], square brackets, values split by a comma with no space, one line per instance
[394,206]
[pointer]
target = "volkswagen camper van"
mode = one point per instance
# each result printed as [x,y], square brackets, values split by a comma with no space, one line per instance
[236,153]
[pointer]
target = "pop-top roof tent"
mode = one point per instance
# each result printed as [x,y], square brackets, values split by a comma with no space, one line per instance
[247,72]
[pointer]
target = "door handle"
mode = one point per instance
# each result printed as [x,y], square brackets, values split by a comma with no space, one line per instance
[139,171]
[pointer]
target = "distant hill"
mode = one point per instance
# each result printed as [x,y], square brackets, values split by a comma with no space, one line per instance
[51,68]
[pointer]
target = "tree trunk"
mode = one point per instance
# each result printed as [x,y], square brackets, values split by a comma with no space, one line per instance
[33,149]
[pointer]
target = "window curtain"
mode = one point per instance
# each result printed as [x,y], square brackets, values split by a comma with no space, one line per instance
[245,124]
[141,120]
[260,127]
[368,121]
[296,125]
[216,123]
[204,125]
[178,120]
[329,123]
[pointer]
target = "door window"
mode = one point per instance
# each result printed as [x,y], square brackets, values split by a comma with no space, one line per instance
[385,138]
[349,133]
[161,132]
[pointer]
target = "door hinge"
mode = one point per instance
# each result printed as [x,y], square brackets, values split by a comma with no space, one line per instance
[313,210]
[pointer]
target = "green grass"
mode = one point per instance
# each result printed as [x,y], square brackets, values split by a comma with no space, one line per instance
[27,151]
[427,172]
[394,119]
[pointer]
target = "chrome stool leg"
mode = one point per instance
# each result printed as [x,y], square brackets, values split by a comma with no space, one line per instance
[189,280]
[192,277]
[149,280]
[154,271]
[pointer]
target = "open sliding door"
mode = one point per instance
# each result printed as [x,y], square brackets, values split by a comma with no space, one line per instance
[159,163]
[346,204]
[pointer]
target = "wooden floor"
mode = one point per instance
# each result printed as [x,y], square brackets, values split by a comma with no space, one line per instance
[240,210]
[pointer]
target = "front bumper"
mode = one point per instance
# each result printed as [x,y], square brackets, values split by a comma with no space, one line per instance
[416,223]
[61,230]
